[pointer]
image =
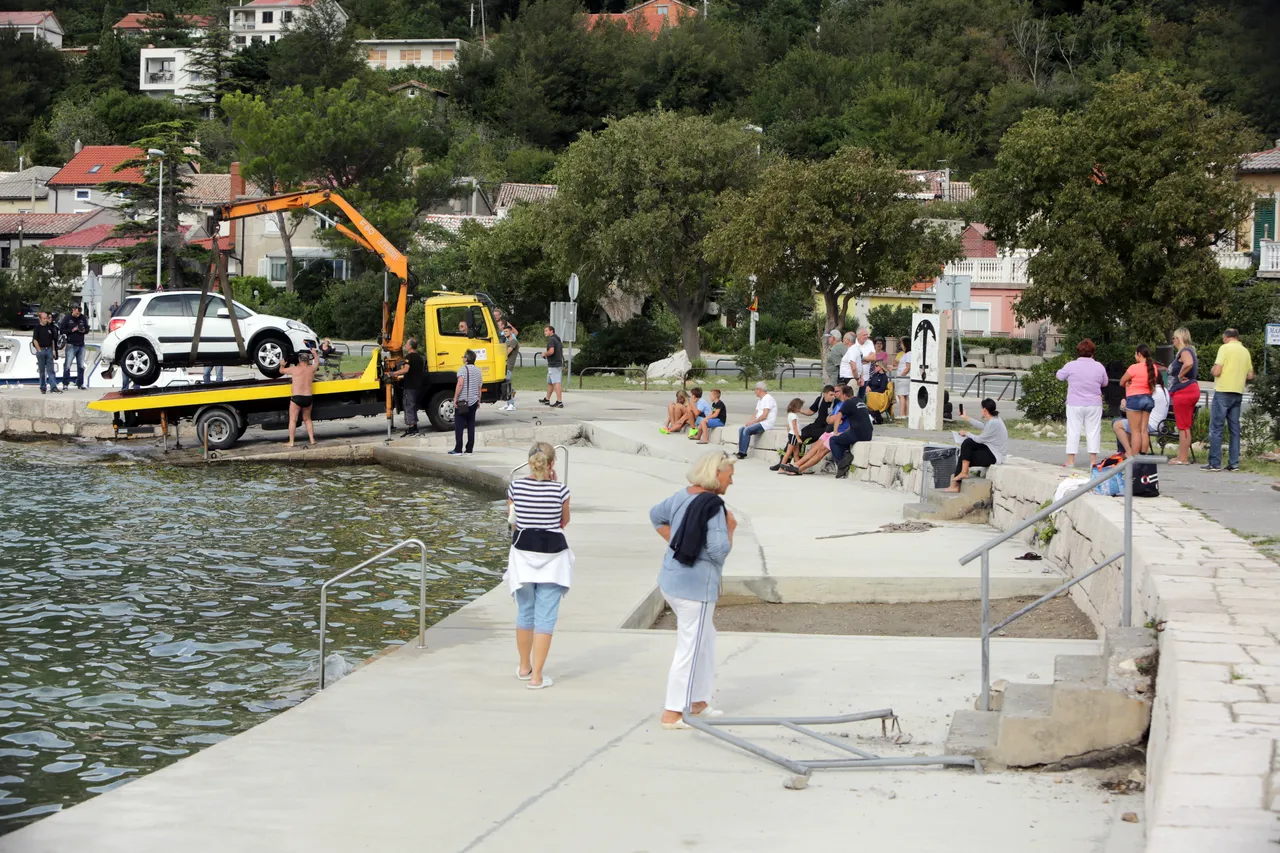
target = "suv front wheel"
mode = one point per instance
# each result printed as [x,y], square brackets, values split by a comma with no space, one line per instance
[138,361]
[271,353]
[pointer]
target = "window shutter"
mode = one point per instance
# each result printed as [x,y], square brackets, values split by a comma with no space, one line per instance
[1264,220]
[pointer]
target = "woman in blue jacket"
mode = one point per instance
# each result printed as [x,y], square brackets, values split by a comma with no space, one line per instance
[698,528]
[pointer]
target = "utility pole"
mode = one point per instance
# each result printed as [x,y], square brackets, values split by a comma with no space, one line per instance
[157,153]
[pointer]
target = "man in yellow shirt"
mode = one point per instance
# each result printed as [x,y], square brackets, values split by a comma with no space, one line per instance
[1232,369]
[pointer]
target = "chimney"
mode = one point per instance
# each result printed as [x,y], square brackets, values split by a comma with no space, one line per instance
[79,145]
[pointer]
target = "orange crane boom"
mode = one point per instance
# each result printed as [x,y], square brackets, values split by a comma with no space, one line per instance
[365,236]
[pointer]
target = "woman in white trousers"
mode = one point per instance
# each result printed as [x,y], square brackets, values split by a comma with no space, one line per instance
[1085,380]
[699,529]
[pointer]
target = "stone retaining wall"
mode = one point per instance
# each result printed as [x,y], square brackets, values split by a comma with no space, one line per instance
[24,416]
[1213,771]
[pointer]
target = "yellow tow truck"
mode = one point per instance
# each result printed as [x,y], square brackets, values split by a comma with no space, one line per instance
[221,412]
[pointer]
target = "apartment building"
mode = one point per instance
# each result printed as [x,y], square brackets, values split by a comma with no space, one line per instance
[388,54]
[268,20]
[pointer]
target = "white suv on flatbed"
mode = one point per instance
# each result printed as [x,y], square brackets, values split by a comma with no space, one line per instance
[152,331]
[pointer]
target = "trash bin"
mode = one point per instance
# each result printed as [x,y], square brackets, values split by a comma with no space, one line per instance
[942,459]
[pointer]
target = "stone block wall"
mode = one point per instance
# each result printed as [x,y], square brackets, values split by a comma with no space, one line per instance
[1213,757]
[25,413]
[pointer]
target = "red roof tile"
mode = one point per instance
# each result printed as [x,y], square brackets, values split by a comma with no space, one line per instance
[40,224]
[96,164]
[24,19]
[97,237]
[649,17]
[1262,161]
[137,21]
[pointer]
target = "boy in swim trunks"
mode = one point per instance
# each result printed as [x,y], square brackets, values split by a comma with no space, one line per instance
[302,374]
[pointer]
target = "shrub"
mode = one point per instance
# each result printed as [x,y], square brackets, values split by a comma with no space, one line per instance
[1266,398]
[1044,396]
[637,341]
[243,288]
[698,368]
[762,360]
[356,307]
[890,321]
[1256,431]
[1200,426]
[720,339]
[288,305]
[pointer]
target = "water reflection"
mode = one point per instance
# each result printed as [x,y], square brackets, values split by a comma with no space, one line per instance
[146,612]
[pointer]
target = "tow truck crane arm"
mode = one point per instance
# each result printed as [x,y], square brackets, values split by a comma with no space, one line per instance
[365,235]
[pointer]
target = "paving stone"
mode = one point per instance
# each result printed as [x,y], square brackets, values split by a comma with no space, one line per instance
[1232,756]
[1215,790]
[1211,652]
[1190,711]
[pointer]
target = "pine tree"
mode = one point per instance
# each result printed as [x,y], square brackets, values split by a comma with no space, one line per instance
[213,61]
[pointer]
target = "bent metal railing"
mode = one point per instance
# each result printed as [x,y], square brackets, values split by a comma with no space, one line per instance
[1125,553]
[422,595]
[644,374]
[564,478]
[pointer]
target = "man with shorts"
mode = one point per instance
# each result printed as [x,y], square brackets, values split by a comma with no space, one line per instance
[302,374]
[411,372]
[554,354]
[719,417]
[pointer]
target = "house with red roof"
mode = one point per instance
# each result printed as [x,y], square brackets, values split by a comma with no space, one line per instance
[138,23]
[38,25]
[23,230]
[1257,240]
[77,186]
[648,17]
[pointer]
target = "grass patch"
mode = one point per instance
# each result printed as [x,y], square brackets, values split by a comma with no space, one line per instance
[1258,466]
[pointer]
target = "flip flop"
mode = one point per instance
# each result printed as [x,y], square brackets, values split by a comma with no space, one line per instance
[525,677]
[1030,555]
[546,682]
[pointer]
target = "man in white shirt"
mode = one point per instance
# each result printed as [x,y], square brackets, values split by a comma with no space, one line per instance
[766,414]
[849,361]
[866,355]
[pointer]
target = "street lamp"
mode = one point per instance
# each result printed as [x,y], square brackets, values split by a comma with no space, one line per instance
[159,155]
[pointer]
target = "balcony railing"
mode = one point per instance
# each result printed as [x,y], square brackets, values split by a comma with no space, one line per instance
[990,270]
[160,77]
[240,24]
[1269,257]
[1230,259]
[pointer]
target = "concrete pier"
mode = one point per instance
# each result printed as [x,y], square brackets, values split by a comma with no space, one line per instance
[443,749]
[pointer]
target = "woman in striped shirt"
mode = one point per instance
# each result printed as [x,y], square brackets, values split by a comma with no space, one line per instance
[540,563]
[466,396]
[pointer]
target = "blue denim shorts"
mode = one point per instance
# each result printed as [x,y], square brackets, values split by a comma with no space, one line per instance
[1140,403]
[713,423]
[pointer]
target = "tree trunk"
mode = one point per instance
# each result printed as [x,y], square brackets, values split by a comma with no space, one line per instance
[286,240]
[832,307]
[689,317]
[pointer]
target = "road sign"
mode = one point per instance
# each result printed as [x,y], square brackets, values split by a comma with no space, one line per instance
[1273,334]
[564,319]
[573,287]
[953,292]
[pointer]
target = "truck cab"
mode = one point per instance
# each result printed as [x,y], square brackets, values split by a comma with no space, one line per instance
[455,323]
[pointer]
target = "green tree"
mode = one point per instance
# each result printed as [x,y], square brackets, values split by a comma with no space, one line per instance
[183,263]
[1121,204]
[512,263]
[212,60]
[31,75]
[638,199]
[844,224]
[125,116]
[317,51]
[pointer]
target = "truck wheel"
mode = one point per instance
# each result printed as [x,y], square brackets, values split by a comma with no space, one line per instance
[270,354]
[219,426]
[138,361]
[440,410]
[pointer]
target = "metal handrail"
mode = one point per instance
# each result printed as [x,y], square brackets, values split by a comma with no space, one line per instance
[422,596]
[367,348]
[795,372]
[982,377]
[623,370]
[564,479]
[1125,553]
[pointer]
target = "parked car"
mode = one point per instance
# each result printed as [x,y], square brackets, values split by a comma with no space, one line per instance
[28,316]
[154,331]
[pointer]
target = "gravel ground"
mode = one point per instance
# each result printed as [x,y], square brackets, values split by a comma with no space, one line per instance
[1057,619]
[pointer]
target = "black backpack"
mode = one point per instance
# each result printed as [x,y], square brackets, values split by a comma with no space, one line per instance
[1146,480]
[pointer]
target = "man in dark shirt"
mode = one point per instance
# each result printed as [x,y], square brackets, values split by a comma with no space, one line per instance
[75,326]
[45,339]
[821,407]
[554,354]
[853,411]
[413,370]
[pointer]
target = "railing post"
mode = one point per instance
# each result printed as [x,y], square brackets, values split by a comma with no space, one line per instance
[986,630]
[324,595]
[1126,614]
[422,600]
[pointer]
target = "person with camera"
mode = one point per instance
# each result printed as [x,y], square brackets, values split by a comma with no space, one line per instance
[75,326]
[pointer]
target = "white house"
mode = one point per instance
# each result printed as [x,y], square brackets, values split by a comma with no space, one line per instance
[411,53]
[39,25]
[166,72]
[268,20]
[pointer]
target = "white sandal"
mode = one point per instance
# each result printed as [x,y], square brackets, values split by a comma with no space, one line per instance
[546,682]
[677,725]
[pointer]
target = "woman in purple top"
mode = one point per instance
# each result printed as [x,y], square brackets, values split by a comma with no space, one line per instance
[1085,380]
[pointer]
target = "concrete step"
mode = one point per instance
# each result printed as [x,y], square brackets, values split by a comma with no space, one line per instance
[973,733]
[1079,671]
[972,504]
[1027,700]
